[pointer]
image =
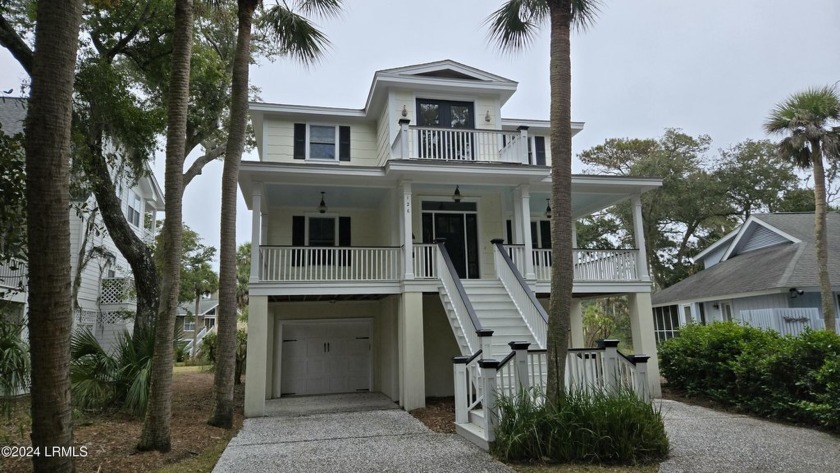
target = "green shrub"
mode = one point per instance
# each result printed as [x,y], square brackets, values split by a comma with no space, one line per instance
[14,362]
[208,350]
[789,378]
[580,428]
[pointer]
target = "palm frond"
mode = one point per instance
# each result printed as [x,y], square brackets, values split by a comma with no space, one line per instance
[296,36]
[321,8]
[795,149]
[584,13]
[816,107]
[514,25]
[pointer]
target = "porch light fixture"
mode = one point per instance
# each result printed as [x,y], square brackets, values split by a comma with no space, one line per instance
[487,116]
[322,207]
[547,208]
[404,112]
[457,195]
[794,292]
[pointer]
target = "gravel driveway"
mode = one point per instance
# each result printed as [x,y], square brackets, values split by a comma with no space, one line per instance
[347,433]
[709,441]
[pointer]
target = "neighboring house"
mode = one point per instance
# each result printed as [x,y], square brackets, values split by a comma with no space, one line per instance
[186,320]
[764,274]
[349,290]
[102,284]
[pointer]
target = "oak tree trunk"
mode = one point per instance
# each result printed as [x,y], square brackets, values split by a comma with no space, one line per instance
[226,331]
[156,426]
[47,143]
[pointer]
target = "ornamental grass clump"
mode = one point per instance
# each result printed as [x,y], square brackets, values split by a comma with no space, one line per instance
[581,427]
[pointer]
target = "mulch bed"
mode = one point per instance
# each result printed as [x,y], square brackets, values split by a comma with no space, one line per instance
[111,437]
[438,415]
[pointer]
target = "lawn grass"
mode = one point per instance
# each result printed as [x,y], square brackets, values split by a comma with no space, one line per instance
[573,468]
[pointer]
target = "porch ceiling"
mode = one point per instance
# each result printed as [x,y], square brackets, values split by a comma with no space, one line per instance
[335,197]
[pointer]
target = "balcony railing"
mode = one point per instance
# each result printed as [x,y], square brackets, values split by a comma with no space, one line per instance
[314,264]
[460,144]
[425,261]
[590,265]
[13,275]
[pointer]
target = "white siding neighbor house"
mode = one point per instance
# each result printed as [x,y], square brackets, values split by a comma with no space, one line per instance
[763,274]
[104,301]
[389,239]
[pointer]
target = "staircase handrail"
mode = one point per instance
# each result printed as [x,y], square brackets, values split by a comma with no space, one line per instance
[459,287]
[521,294]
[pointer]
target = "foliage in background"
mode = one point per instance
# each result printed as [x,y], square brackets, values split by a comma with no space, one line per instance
[14,361]
[607,317]
[12,207]
[197,275]
[209,350]
[701,198]
[758,371]
[580,428]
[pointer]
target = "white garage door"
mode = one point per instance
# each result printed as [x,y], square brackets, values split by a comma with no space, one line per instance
[326,357]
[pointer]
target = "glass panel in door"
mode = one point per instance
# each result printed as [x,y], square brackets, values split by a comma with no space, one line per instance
[451,227]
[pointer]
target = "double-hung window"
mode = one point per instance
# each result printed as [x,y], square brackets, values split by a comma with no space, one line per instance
[132,211]
[320,142]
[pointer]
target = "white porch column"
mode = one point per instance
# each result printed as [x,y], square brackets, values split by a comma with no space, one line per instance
[577,324]
[644,341]
[639,238]
[524,204]
[405,225]
[518,218]
[574,234]
[410,340]
[256,232]
[257,356]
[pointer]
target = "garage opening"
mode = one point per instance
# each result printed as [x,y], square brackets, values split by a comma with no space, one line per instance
[326,357]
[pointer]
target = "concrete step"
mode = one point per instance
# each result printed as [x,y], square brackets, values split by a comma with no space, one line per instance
[474,434]
[476,417]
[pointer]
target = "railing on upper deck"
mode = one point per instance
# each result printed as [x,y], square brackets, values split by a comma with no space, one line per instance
[315,264]
[13,275]
[590,265]
[425,261]
[460,144]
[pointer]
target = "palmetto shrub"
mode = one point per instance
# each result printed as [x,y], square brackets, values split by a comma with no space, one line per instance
[607,428]
[14,362]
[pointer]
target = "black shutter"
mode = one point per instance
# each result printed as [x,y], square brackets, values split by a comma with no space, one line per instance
[298,238]
[509,231]
[539,142]
[344,143]
[344,240]
[300,142]
[545,233]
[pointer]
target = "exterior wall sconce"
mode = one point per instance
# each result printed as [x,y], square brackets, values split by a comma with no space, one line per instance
[322,207]
[716,306]
[404,112]
[487,116]
[457,195]
[794,292]
[547,208]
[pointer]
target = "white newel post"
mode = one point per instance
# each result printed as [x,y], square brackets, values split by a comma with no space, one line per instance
[459,368]
[611,365]
[525,209]
[520,360]
[404,137]
[642,389]
[639,237]
[256,232]
[485,337]
[406,221]
[523,143]
[488,377]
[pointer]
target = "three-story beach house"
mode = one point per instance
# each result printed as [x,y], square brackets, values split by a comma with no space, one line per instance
[389,239]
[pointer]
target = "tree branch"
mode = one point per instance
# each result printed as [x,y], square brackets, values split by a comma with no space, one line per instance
[197,165]
[12,41]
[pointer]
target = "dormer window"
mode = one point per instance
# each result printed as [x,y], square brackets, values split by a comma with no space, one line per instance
[319,142]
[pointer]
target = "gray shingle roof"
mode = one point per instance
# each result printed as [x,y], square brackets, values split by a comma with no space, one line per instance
[203,306]
[776,267]
[12,114]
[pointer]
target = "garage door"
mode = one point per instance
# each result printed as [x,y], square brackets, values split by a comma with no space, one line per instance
[326,357]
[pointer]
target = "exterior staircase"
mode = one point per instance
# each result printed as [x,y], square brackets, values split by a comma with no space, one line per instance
[498,313]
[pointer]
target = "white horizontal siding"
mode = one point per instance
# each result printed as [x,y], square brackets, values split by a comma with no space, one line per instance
[280,134]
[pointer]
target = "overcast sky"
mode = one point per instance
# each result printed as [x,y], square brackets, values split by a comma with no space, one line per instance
[713,67]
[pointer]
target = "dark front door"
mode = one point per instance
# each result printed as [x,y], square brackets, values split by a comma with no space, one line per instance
[455,145]
[460,229]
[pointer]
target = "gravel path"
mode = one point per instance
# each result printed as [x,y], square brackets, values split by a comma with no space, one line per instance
[708,441]
[309,436]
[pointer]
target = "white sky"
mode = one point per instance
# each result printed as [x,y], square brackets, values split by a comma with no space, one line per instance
[713,66]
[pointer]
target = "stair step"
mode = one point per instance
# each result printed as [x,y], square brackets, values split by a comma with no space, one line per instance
[476,417]
[474,434]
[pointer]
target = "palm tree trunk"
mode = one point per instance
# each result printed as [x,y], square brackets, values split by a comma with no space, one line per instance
[156,431]
[826,296]
[48,123]
[559,317]
[226,332]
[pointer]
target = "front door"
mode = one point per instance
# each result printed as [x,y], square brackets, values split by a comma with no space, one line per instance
[458,224]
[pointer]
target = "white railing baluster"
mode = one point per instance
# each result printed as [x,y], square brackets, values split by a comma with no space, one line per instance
[314,264]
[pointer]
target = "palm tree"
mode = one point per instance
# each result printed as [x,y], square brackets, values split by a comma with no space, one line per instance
[810,120]
[156,431]
[47,144]
[512,28]
[298,38]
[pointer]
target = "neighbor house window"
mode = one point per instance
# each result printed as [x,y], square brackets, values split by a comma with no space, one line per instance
[666,322]
[209,323]
[189,324]
[321,142]
[132,212]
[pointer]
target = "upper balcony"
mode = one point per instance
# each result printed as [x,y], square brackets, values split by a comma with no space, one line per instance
[464,145]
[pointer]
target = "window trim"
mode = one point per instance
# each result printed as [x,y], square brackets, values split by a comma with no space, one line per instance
[336,131]
[130,210]
[186,321]
[332,216]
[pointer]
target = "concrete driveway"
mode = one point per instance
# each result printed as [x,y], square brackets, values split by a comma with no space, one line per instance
[347,433]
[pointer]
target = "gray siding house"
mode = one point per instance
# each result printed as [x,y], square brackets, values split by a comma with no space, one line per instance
[762,274]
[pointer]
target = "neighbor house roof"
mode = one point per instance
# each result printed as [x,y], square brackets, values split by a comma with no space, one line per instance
[204,306]
[779,266]
[12,114]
